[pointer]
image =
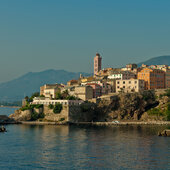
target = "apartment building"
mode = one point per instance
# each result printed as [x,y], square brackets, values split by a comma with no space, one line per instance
[128,86]
[154,78]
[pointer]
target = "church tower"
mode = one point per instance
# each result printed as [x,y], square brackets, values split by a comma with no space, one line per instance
[97,63]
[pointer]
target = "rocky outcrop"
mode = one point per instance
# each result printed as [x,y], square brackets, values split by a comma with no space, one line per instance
[126,106]
[165,133]
[21,115]
[5,119]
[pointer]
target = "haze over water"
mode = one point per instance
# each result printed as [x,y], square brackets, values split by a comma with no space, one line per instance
[83,147]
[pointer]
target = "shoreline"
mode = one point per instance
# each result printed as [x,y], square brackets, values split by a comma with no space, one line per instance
[10,106]
[93,123]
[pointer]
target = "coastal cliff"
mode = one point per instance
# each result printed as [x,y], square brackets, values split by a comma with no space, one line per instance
[145,106]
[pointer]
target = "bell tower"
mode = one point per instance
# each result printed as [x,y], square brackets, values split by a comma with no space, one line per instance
[97,63]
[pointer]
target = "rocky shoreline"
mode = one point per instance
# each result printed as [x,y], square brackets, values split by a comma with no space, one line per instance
[92,123]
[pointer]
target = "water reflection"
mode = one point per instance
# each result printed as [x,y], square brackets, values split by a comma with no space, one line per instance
[82,147]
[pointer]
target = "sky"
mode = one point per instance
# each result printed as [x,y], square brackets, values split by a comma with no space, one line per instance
[36,35]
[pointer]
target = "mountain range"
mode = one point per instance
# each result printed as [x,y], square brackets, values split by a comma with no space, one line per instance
[27,84]
[161,60]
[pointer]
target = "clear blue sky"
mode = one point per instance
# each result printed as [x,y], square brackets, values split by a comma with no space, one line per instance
[36,35]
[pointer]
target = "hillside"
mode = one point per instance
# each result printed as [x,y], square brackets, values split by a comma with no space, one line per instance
[27,84]
[161,60]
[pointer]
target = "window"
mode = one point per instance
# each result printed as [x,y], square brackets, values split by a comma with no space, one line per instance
[118,87]
[118,82]
[124,87]
[123,82]
[129,82]
[135,82]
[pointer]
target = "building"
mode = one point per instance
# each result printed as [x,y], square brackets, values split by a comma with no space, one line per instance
[129,86]
[122,75]
[131,66]
[39,100]
[83,92]
[86,79]
[50,90]
[166,69]
[73,83]
[97,89]
[106,87]
[97,63]
[154,78]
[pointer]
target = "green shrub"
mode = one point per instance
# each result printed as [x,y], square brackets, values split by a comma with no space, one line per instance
[62,119]
[51,106]
[168,112]
[167,93]
[37,106]
[34,116]
[57,108]
[155,111]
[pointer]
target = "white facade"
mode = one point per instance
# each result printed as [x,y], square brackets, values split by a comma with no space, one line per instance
[132,85]
[124,75]
[37,100]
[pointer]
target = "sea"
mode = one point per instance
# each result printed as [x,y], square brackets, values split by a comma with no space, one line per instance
[83,147]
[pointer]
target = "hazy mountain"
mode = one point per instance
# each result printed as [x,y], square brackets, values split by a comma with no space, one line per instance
[161,60]
[31,82]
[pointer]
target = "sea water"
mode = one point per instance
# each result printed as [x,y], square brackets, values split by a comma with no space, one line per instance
[83,147]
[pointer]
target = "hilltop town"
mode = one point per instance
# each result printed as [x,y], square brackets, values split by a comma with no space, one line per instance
[126,85]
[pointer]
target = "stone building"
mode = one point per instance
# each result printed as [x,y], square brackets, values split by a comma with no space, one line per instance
[97,63]
[73,83]
[97,89]
[50,90]
[128,86]
[84,92]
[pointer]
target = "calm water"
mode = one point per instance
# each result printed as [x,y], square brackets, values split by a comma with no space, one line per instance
[73,147]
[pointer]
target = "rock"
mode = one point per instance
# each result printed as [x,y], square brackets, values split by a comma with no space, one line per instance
[5,119]
[21,115]
[165,133]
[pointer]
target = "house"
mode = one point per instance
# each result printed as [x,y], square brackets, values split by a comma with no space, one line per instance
[128,86]
[122,75]
[97,89]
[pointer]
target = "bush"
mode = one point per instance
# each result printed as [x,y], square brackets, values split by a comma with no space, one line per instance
[155,111]
[167,93]
[37,106]
[51,106]
[34,116]
[62,119]
[57,108]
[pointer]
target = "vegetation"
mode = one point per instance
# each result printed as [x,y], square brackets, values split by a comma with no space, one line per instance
[31,106]
[161,112]
[65,96]
[149,95]
[57,108]
[51,106]
[167,93]
[62,119]
[35,116]
[30,99]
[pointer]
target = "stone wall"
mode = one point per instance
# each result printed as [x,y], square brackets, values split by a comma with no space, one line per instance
[51,116]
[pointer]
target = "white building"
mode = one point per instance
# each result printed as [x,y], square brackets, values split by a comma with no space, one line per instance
[132,85]
[122,75]
[39,100]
